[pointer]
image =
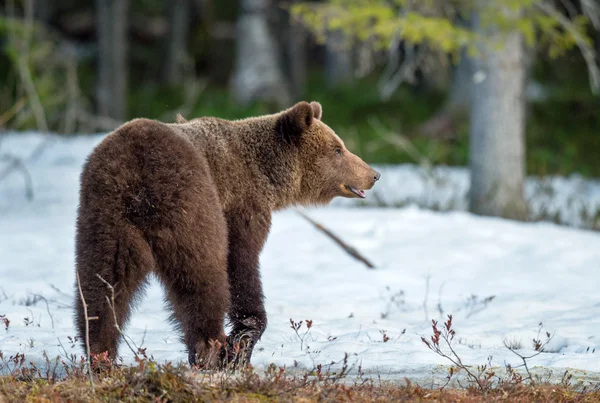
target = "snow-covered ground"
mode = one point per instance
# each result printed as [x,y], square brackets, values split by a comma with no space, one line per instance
[499,279]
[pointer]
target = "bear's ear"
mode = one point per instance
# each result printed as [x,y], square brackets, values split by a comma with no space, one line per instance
[317,110]
[294,121]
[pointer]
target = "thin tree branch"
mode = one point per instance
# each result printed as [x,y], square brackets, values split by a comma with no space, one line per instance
[569,7]
[525,358]
[15,163]
[47,307]
[592,10]
[111,304]
[405,71]
[72,95]
[586,51]
[96,122]
[349,249]
[87,331]
[427,281]
[402,143]
[25,73]
[10,113]
[70,357]
[58,290]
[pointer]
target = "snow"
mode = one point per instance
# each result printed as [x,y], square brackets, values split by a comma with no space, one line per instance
[499,279]
[573,200]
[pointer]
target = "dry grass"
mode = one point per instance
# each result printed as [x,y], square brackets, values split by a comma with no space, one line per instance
[168,383]
[71,379]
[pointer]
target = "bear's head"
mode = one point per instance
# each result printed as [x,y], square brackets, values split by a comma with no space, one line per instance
[326,168]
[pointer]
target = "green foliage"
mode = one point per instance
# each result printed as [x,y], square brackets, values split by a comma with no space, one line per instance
[562,137]
[556,39]
[381,21]
[435,23]
[561,133]
[556,143]
[38,71]
[154,101]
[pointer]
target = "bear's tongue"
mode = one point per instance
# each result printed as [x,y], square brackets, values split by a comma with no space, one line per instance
[358,192]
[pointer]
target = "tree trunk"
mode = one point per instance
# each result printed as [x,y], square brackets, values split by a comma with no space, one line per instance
[257,72]
[338,59]
[43,10]
[497,136]
[442,125]
[597,44]
[296,55]
[176,41]
[459,99]
[112,58]
[365,58]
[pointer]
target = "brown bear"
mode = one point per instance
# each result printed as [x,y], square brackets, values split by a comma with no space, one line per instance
[191,202]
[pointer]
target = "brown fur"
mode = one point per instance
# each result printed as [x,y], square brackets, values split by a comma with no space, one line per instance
[192,203]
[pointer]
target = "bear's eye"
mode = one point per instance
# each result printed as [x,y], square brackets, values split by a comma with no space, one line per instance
[338,151]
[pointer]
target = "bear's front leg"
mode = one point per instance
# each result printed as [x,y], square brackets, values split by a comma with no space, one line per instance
[247,235]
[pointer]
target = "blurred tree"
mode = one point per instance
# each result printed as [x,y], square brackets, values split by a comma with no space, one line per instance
[176,41]
[257,73]
[497,130]
[295,51]
[442,125]
[111,28]
[43,10]
[338,58]
[297,58]
[496,44]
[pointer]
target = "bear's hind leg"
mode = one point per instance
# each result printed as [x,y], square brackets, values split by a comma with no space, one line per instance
[192,264]
[123,259]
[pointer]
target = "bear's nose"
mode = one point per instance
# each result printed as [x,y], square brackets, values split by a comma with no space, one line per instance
[377,176]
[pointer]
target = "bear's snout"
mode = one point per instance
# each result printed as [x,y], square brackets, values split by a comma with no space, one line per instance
[372,176]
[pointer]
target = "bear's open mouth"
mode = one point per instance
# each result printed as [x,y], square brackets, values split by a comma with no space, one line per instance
[358,192]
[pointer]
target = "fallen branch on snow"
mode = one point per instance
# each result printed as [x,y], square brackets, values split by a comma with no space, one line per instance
[349,249]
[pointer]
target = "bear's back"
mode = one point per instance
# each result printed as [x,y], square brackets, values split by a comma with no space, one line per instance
[145,172]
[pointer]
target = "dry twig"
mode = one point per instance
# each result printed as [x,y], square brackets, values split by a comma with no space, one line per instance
[427,281]
[10,113]
[538,346]
[401,142]
[349,249]
[15,163]
[111,305]
[87,332]
[481,378]
[47,307]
